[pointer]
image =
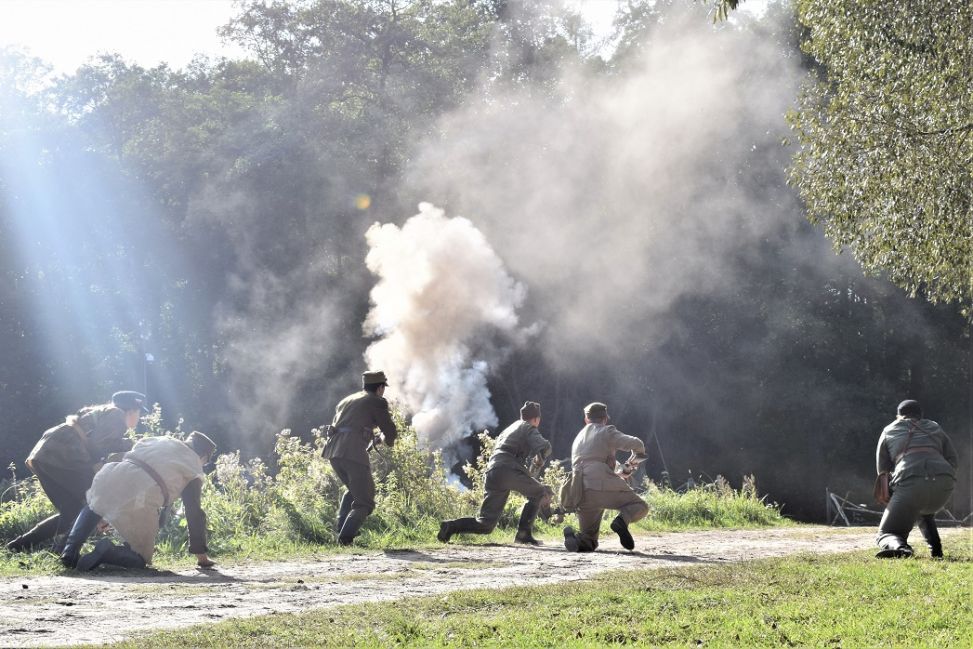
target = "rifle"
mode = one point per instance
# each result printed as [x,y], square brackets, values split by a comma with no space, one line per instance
[630,466]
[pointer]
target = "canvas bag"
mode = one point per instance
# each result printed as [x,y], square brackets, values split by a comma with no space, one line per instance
[572,490]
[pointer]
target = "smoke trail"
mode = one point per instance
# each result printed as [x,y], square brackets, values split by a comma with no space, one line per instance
[442,296]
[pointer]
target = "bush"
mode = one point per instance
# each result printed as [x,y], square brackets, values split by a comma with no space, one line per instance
[253,513]
[715,504]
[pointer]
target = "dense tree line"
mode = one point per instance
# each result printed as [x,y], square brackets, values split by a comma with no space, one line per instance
[166,228]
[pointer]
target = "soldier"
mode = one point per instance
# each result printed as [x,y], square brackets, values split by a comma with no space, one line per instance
[506,472]
[349,437]
[130,494]
[923,464]
[67,456]
[593,452]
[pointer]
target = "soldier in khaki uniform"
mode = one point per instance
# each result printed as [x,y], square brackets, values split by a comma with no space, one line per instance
[506,472]
[67,456]
[349,436]
[130,494]
[922,462]
[593,452]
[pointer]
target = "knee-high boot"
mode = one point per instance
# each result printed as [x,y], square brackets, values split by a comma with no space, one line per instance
[927,526]
[107,552]
[80,531]
[525,528]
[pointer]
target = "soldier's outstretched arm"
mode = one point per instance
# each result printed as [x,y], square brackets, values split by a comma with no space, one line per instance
[625,442]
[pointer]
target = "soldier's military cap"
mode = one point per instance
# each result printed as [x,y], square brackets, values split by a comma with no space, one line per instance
[909,408]
[201,444]
[374,377]
[129,400]
[596,409]
[530,410]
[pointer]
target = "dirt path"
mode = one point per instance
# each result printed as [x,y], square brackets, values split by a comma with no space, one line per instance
[110,605]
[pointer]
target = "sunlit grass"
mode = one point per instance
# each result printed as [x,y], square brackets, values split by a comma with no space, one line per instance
[848,600]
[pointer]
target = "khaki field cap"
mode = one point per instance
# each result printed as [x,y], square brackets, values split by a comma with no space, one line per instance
[374,377]
[202,445]
[596,410]
[530,410]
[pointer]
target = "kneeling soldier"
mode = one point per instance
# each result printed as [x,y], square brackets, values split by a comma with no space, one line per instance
[593,452]
[129,495]
[507,472]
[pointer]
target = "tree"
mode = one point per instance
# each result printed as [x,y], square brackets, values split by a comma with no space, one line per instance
[887,158]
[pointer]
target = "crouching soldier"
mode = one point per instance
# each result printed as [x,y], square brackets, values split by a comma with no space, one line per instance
[67,456]
[506,472]
[349,437]
[593,452]
[130,494]
[922,463]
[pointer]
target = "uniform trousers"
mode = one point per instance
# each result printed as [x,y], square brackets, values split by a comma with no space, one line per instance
[593,504]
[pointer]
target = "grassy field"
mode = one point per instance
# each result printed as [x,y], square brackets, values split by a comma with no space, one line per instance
[850,600]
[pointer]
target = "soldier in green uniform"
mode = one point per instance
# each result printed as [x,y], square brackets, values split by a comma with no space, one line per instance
[506,472]
[349,437]
[593,455]
[67,456]
[922,462]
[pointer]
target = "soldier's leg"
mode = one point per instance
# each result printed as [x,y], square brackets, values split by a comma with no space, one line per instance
[630,508]
[938,491]
[362,489]
[344,506]
[538,495]
[900,515]
[589,525]
[343,510]
[83,526]
[65,489]
[930,532]
[486,521]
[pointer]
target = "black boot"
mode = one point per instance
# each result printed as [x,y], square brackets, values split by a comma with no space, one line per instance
[927,526]
[570,540]
[620,527]
[526,524]
[445,531]
[124,556]
[343,510]
[894,547]
[83,526]
[116,555]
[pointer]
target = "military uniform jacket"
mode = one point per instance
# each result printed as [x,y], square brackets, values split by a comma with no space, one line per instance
[355,419]
[929,453]
[594,451]
[84,439]
[516,444]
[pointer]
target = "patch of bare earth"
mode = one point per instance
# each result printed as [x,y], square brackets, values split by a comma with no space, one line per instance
[108,605]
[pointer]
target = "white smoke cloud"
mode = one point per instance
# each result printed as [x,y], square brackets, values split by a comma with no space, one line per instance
[442,295]
[614,196]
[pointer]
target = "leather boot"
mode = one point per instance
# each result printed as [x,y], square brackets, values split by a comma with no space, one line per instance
[620,527]
[343,510]
[894,547]
[570,540]
[124,556]
[80,531]
[445,531]
[116,555]
[526,524]
[930,532]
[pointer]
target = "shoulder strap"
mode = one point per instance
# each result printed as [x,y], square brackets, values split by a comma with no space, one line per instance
[908,440]
[152,474]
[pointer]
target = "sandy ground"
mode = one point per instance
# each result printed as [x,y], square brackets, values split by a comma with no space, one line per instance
[109,605]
